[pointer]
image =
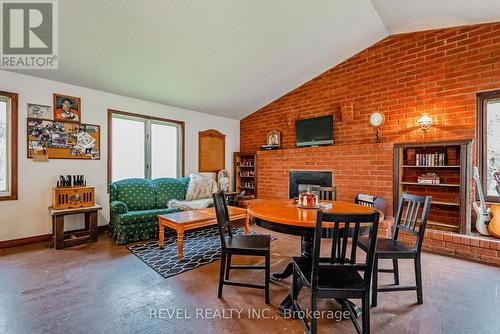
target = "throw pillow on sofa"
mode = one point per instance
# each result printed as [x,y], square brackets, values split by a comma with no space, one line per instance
[200,187]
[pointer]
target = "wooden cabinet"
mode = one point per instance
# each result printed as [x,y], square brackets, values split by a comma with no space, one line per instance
[451,162]
[211,151]
[245,173]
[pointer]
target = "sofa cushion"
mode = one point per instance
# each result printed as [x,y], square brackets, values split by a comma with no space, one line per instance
[168,189]
[140,216]
[137,194]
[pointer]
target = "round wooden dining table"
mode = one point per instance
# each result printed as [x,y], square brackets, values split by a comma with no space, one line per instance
[282,215]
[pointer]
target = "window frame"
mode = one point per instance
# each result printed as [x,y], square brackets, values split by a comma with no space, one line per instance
[12,145]
[482,132]
[147,153]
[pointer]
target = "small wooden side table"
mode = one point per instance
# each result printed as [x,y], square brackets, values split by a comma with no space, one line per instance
[61,239]
[232,197]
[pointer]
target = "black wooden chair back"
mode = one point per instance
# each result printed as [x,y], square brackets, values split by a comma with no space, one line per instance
[343,253]
[327,193]
[222,214]
[412,212]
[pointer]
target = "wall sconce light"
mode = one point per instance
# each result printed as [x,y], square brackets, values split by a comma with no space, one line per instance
[425,121]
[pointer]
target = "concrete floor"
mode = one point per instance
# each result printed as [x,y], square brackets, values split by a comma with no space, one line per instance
[103,288]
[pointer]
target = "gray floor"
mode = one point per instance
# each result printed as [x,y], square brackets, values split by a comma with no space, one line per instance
[103,288]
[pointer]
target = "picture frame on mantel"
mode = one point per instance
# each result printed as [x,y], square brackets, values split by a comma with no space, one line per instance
[273,138]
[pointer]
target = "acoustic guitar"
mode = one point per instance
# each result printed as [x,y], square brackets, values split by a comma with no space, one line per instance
[494,225]
[483,214]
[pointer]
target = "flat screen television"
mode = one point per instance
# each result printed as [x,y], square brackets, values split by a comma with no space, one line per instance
[314,131]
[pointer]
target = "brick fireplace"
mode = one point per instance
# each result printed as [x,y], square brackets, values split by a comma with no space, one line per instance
[354,169]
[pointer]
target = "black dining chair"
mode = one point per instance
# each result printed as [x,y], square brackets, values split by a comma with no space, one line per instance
[416,209]
[338,276]
[254,245]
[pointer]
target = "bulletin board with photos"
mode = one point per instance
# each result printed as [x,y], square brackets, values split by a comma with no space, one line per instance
[62,140]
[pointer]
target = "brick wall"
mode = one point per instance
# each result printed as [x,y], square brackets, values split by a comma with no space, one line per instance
[437,71]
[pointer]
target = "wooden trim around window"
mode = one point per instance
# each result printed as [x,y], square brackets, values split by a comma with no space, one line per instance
[13,145]
[481,100]
[153,118]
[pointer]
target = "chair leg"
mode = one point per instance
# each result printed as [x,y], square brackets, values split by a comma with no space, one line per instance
[366,313]
[313,329]
[268,276]
[418,279]
[228,265]
[375,282]
[396,271]
[295,291]
[221,274]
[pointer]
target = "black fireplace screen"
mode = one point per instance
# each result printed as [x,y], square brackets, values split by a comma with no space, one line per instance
[307,179]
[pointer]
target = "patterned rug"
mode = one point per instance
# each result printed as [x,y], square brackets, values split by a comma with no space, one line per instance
[200,247]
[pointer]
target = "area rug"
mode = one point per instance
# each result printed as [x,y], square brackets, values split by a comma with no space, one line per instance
[200,247]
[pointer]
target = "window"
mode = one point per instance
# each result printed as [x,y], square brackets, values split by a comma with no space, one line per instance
[144,147]
[489,143]
[8,146]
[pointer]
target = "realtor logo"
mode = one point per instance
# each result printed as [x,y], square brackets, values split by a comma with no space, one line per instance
[29,34]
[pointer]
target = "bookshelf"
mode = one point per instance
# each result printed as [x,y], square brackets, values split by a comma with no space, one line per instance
[245,173]
[450,161]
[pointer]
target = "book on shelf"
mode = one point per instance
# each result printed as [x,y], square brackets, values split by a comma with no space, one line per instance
[429,178]
[430,159]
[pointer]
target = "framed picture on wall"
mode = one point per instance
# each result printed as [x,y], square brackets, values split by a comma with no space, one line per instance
[39,111]
[67,108]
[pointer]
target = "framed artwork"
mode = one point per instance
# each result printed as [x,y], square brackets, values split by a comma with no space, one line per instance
[273,138]
[67,108]
[224,180]
[39,111]
[62,140]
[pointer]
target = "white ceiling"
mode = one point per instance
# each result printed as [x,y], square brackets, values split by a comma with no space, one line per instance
[230,57]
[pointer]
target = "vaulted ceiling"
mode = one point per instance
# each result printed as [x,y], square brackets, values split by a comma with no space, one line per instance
[231,57]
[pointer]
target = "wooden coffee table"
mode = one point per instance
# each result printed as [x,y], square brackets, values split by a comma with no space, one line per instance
[188,220]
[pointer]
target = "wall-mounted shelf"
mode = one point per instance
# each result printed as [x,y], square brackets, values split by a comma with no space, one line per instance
[413,166]
[432,185]
[445,203]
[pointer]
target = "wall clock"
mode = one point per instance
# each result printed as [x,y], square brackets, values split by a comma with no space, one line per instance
[376,120]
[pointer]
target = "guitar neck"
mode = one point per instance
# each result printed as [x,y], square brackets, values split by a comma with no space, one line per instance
[480,190]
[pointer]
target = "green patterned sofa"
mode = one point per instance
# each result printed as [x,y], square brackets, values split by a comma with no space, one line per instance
[136,203]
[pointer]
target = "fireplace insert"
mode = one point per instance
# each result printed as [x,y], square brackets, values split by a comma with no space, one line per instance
[300,181]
